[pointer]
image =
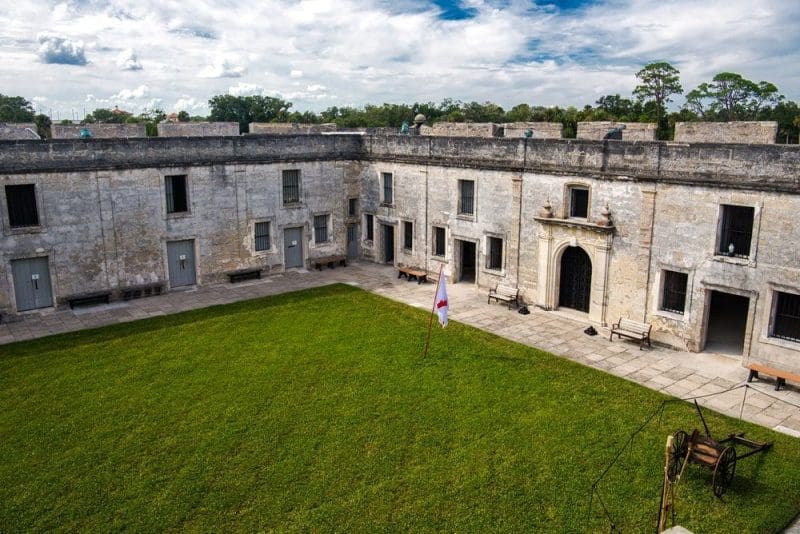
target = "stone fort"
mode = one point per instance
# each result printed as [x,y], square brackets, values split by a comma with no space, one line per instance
[698,238]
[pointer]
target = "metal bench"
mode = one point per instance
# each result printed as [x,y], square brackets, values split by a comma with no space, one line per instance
[631,330]
[85,299]
[780,375]
[244,274]
[504,293]
[330,261]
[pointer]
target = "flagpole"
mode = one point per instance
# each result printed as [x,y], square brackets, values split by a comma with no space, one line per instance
[433,310]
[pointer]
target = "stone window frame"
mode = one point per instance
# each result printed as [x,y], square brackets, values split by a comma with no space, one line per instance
[391,188]
[487,255]
[291,202]
[188,191]
[767,331]
[659,301]
[270,228]
[406,225]
[464,215]
[40,213]
[435,242]
[718,254]
[352,206]
[369,228]
[567,204]
[328,227]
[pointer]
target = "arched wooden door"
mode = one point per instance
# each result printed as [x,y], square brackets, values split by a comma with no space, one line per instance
[576,279]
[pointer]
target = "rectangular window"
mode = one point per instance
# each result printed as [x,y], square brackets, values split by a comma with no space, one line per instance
[177,199]
[352,207]
[786,322]
[673,296]
[736,231]
[21,202]
[495,256]
[388,193]
[438,241]
[320,228]
[579,202]
[466,197]
[291,186]
[262,236]
[369,227]
[408,235]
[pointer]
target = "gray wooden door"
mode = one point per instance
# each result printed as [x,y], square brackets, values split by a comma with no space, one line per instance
[293,247]
[180,255]
[352,240]
[32,283]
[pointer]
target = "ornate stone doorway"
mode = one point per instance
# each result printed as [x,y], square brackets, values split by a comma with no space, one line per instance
[576,279]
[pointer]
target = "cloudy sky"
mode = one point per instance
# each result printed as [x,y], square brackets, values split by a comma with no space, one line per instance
[76,55]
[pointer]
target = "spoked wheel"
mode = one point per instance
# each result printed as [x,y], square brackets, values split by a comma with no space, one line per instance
[680,445]
[724,471]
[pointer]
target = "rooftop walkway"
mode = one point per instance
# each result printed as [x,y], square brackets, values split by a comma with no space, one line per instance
[681,374]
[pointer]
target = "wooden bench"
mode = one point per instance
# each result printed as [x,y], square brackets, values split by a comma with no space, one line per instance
[84,299]
[330,261]
[632,330]
[780,376]
[244,274]
[505,294]
[141,291]
[412,273]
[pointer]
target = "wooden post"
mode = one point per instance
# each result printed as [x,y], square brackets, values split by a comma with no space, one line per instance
[666,489]
[433,310]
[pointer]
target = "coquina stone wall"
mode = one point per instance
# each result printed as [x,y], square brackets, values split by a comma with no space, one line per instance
[289,128]
[539,130]
[752,132]
[197,129]
[634,131]
[98,131]
[464,129]
[18,130]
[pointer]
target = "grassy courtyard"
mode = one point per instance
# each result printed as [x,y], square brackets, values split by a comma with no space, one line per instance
[314,411]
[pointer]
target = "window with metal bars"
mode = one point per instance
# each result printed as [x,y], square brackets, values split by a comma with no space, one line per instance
[291,186]
[673,295]
[21,203]
[352,207]
[388,192]
[438,241]
[177,198]
[579,202]
[368,223]
[408,235]
[494,259]
[320,228]
[262,236]
[786,320]
[466,197]
[736,231]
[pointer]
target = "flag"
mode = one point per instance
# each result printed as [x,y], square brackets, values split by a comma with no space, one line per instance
[441,301]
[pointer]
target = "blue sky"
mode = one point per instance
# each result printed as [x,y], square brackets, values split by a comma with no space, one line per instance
[75,55]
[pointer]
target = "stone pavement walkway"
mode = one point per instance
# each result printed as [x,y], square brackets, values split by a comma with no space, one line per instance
[681,374]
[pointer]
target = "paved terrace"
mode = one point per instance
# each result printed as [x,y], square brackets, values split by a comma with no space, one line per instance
[681,374]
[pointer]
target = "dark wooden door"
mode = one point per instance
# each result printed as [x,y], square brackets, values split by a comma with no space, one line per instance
[576,279]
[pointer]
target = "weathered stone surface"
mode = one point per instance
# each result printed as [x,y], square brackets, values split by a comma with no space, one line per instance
[539,130]
[634,131]
[18,130]
[289,128]
[752,132]
[98,131]
[464,129]
[197,129]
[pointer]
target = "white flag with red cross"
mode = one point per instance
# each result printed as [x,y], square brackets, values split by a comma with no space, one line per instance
[441,302]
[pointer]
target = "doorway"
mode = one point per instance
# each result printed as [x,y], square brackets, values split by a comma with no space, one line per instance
[293,247]
[727,323]
[180,255]
[32,283]
[388,243]
[576,279]
[352,241]
[468,261]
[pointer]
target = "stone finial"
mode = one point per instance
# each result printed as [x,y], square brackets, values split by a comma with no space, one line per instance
[605,217]
[547,210]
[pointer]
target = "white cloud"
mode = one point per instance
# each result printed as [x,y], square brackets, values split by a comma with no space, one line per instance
[132,94]
[296,73]
[245,89]
[186,103]
[222,68]
[127,60]
[315,88]
[54,48]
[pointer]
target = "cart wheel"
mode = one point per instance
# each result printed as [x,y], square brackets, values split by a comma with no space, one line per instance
[680,445]
[724,470]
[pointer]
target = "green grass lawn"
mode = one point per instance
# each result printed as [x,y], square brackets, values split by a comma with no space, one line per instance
[314,411]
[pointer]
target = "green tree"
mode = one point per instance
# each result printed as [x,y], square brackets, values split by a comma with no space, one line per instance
[519,113]
[731,97]
[104,115]
[247,109]
[43,124]
[15,109]
[183,116]
[659,81]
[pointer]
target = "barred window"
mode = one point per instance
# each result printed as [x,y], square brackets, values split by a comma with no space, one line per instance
[673,296]
[438,241]
[291,186]
[579,202]
[320,228]
[466,192]
[388,193]
[177,197]
[352,207]
[494,259]
[786,320]
[736,231]
[262,236]
[369,227]
[408,235]
[21,203]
